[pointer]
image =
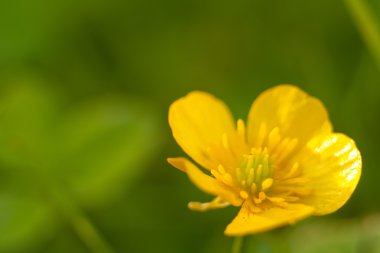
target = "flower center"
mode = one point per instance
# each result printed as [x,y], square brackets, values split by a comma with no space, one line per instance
[255,174]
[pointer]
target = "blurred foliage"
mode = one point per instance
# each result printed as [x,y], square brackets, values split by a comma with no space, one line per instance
[338,236]
[89,153]
[84,92]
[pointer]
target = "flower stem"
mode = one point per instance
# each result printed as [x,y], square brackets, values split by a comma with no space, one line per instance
[72,213]
[237,245]
[367,26]
[80,223]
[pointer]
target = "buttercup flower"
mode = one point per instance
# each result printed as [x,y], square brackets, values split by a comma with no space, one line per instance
[284,165]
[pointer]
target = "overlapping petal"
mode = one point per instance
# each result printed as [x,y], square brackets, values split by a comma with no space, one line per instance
[333,164]
[204,182]
[297,115]
[247,222]
[199,121]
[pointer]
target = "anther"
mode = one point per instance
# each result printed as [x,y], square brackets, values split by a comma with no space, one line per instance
[221,169]
[225,140]
[266,184]
[244,194]
[215,173]
[257,200]
[262,196]
[227,179]
[276,199]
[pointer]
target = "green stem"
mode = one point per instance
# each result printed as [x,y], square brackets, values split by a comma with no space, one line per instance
[367,26]
[80,223]
[237,245]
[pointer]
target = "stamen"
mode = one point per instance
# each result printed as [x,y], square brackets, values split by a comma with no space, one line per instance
[291,198]
[216,203]
[250,161]
[296,180]
[294,189]
[292,172]
[256,159]
[238,174]
[262,196]
[281,204]
[257,200]
[274,138]
[250,176]
[287,148]
[256,209]
[244,194]
[266,184]
[221,169]
[266,169]
[258,173]
[276,199]
[261,135]
[282,146]
[253,188]
[227,179]
[222,175]
[215,173]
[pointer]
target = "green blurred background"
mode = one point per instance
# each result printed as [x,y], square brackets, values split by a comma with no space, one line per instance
[84,91]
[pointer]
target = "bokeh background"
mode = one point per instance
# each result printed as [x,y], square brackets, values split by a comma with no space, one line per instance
[85,88]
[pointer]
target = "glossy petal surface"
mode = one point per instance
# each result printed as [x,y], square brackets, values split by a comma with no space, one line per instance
[199,121]
[294,112]
[247,222]
[333,163]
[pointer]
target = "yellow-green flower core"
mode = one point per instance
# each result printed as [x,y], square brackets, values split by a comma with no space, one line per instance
[255,173]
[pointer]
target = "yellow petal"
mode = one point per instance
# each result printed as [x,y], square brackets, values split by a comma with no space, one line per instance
[247,222]
[204,182]
[198,121]
[333,163]
[214,204]
[295,113]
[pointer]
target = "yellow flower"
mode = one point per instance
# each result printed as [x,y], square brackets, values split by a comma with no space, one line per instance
[284,165]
